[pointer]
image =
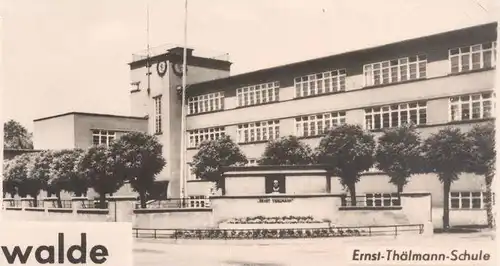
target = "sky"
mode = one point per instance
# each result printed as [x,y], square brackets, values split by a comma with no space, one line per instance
[72,55]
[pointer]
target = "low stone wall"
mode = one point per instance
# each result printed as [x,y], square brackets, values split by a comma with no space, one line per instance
[320,206]
[189,218]
[326,208]
[119,210]
[472,217]
[65,215]
[416,208]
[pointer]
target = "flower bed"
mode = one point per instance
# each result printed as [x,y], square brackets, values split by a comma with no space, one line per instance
[273,226]
[268,234]
[276,220]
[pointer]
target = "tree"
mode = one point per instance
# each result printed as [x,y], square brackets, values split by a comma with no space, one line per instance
[139,158]
[398,154]
[349,151]
[16,136]
[65,174]
[38,171]
[19,174]
[447,154]
[287,151]
[483,160]
[9,182]
[215,154]
[99,166]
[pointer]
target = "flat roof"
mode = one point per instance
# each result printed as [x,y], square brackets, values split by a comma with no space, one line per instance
[349,53]
[90,114]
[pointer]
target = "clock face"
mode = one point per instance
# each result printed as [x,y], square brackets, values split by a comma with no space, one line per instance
[178,69]
[161,67]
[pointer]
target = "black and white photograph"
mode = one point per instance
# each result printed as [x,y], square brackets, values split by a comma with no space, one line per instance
[256,132]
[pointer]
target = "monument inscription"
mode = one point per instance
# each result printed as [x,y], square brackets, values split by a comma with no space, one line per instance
[270,200]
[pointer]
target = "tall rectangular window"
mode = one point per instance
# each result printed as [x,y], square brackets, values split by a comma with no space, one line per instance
[472,106]
[396,70]
[473,57]
[315,125]
[258,131]
[258,94]
[197,136]
[320,83]
[467,200]
[396,115]
[206,103]
[103,137]
[158,124]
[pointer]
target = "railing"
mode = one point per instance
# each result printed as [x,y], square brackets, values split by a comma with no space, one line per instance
[356,231]
[178,203]
[64,204]
[373,200]
[93,204]
[67,204]
[19,203]
[12,203]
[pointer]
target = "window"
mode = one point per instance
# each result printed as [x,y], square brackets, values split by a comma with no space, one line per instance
[473,57]
[315,125]
[252,162]
[396,115]
[257,94]
[467,200]
[259,131]
[198,202]
[135,85]
[396,70]
[197,136]
[372,169]
[190,174]
[320,83]
[382,199]
[206,103]
[157,128]
[103,137]
[473,106]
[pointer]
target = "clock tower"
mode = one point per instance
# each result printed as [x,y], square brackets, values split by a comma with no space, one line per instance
[156,87]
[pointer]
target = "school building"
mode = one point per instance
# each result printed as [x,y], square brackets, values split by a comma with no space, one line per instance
[445,79]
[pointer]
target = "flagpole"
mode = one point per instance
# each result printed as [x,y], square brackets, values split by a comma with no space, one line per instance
[183,112]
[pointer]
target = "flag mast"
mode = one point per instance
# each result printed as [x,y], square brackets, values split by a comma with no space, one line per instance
[183,112]
[148,56]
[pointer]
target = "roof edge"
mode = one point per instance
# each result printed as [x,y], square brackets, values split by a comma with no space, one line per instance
[89,114]
[262,70]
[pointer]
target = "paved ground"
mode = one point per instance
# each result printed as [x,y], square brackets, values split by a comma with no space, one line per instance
[309,252]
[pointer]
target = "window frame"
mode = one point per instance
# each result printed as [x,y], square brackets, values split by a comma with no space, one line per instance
[338,116]
[335,79]
[420,108]
[401,63]
[459,195]
[99,133]
[198,136]
[459,52]
[252,162]
[244,132]
[459,103]
[158,114]
[372,198]
[205,103]
[256,94]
